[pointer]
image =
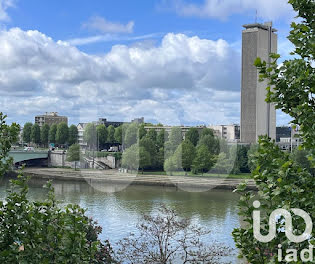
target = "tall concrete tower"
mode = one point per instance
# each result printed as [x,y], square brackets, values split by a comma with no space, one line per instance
[257,117]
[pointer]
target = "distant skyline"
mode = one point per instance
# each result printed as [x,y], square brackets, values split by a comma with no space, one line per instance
[174,62]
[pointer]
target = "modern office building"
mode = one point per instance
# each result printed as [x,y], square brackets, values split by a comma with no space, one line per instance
[257,116]
[50,119]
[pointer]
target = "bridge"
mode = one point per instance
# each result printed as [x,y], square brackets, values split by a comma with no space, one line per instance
[20,156]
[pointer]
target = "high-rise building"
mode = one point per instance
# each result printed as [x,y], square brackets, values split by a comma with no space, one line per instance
[50,119]
[257,116]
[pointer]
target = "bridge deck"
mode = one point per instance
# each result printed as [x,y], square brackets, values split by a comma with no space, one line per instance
[19,156]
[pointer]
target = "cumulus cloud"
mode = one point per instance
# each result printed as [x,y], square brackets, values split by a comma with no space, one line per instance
[182,80]
[102,25]
[221,9]
[4,5]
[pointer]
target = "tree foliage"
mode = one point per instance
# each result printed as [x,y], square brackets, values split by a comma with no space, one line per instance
[72,135]
[44,134]
[111,134]
[8,135]
[27,130]
[52,133]
[118,134]
[35,134]
[90,135]
[62,133]
[102,135]
[281,182]
[192,135]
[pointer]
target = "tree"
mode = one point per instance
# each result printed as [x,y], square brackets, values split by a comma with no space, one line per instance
[8,135]
[52,133]
[241,160]
[149,145]
[130,157]
[144,159]
[223,164]
[211,142]
[44,134]
[90,135]
[166,238]
[72,135]
[161,138]
[102,135]
[203,160]
[35,134]
[73,154]
[188,154]
[131,135]
[152,134]
[41,232]
[27,130]
[206,131]
[175,138]
[111,134]
[192,135]
[118,135]
[250,154]
[281,182]
[300,157]
[142,131]
[62,133]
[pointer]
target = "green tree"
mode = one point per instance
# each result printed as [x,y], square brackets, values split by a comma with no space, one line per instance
[35,134]
[44,134]
[281,182]
[62,133]
[142,131]
[149,145]
[8,135]
[152,134]
[111,134]
[161,138]
[131,135]
[211,142]
[130,158]
[73,154]
[188,154]
[192,135]
[102,135]
[300,157]
[118,134]
[90,135]
[73,135]
[27,130]
[144,159]
[206,131]
[223,164]
[203,160]
[52,133]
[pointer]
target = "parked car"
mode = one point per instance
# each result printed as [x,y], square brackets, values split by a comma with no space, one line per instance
[29,149]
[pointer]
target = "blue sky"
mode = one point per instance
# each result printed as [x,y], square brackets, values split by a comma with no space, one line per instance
[171,61]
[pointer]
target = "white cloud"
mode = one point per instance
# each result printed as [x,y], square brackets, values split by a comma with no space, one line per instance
[221,9]
[100,24]
[182,80]
[4,5]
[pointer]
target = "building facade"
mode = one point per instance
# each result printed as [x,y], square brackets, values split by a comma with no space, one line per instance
[231,133]
[257,116]
[50,119]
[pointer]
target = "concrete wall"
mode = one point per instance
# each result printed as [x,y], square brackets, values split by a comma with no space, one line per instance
[58,158]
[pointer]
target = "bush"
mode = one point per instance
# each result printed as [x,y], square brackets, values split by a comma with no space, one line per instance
[40,232]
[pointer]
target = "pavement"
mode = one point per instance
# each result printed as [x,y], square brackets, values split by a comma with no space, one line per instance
[116,177]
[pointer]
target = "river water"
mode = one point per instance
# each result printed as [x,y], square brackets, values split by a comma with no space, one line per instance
[119,212]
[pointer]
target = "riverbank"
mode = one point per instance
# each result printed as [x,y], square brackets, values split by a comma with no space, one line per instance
[116,177]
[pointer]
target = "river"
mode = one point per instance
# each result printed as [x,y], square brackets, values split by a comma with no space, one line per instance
[119,212]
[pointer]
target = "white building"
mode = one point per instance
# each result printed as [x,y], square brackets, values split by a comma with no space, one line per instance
[230,133]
